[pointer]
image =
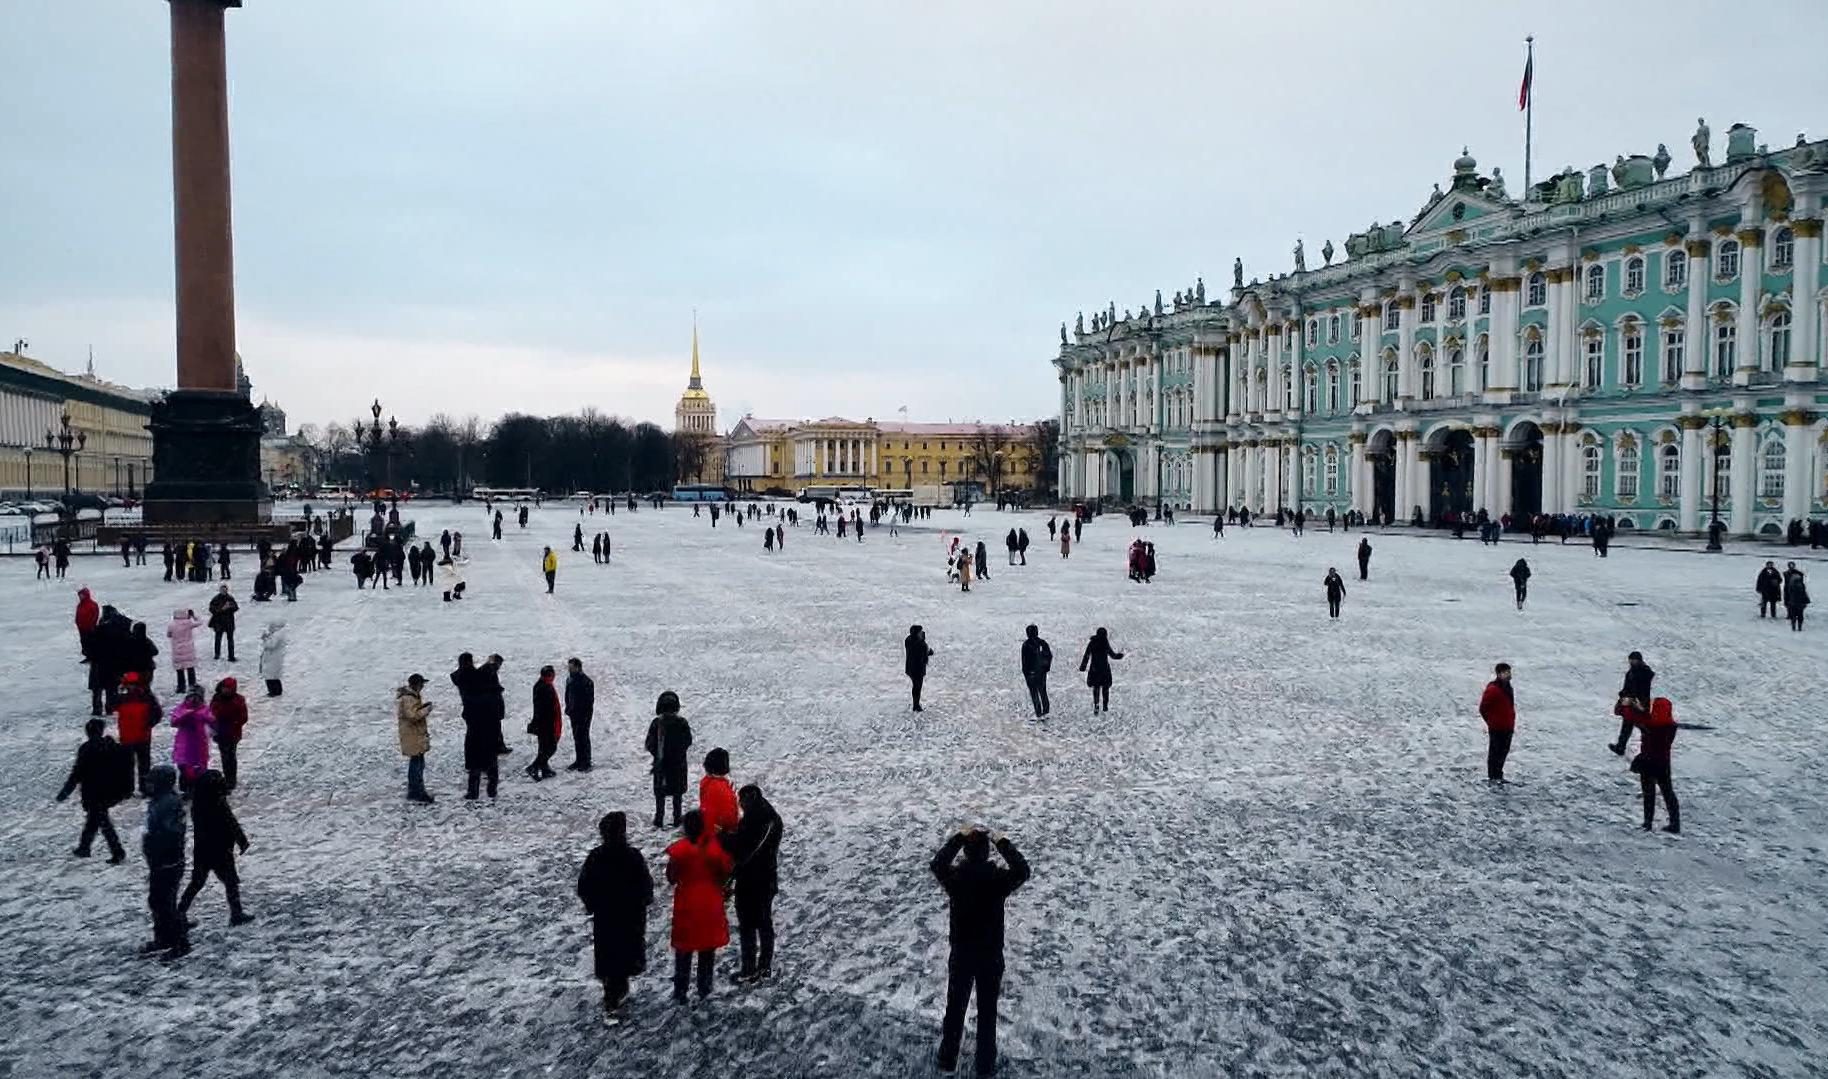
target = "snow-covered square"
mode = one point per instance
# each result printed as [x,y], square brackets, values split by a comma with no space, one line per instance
[1275,855]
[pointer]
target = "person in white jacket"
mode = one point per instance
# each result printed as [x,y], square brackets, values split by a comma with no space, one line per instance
[453,579]
[273,657]
[181,632]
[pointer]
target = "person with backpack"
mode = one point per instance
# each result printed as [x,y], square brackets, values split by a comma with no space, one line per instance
[103,772]
[222,608]
[162,843]
[1037,660]
[228,711]
[616,889]
[217,835]
[136,712]
[756,846]
[668,738]
[1498,707]
[697,867]
[978,889]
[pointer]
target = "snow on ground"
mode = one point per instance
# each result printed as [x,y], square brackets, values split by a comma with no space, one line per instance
[1276,855]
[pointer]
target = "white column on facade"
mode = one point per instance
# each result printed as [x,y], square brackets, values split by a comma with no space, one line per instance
[1698,338]
[1570,467]
[1370,363]
[1805,310]
[1405,345]
[1502,470]
[1482,470]
[1405,454]
[1751,276]
[1274,351]
[1502,336]
[1799,446]
[1554,341]
[1695,458]
[1745,455]
[1551,467]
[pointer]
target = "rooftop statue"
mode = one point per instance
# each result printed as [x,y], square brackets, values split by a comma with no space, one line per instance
[1497,188]
[1237,273]
[1301,259]
[1661,161]
[1618,170]
[1158,301]
[1741,142]
[1699,142]
[1596,180]
[1177,301]
[1063,333]
[1199,290]
[1079,323]
[1326,252]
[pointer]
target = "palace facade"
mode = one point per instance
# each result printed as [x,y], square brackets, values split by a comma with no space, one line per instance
[940,462]
[1620,341]
[116,452]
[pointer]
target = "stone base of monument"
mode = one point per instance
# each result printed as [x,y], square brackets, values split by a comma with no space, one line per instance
[206,461]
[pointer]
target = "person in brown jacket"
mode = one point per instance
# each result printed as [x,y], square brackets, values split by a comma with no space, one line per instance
[411,710]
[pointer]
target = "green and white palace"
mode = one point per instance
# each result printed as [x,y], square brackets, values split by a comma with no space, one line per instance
[1621,341]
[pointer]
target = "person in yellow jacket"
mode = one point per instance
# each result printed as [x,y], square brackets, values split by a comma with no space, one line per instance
[550,564]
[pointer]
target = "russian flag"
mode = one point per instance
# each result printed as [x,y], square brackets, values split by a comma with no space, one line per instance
[1523,94]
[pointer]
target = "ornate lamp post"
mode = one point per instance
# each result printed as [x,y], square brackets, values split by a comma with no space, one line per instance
[1718,449]
[67,442]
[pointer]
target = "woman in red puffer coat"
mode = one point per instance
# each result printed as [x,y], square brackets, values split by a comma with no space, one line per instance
[228,715]
[697,867]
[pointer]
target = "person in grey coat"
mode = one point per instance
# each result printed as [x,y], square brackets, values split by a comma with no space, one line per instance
[163,846]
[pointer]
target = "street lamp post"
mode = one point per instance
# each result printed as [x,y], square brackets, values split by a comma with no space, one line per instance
[28,473]
[67,442]
[1719,450]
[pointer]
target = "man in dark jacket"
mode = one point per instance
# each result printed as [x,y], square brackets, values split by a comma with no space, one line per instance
[104,774]
[978,888]
[1634,699]
[917,654]
[616,888]
[1336,591]
[580,702]
[1037,660]
[1796,595]
[669,736]
[545,724]
[222,608]
[1364,559]
[163,845]
[481,729]
[756,848]
[1770,589]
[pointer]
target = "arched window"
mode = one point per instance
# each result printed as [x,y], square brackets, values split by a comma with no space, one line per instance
[1723,471]
[1313,332]
[1594,369]
[1627,481]
[1726,260]
[1310,397]
[1590,457]
[1675,270]
[1673,343]
[1309,479]
[1537,292]
[1392,315]
[1333,329]
[1631,345]
[1634,275]
[1428,307]
[1485,301]
[1783,248]
[1456,372]
[1726,349]
[1778,352]
[1332,385]
[1532,365]
[1456,304]
[1771,470]
[1332,471]
[1390,375]
[1355,391]
[1596,283]
[1669,472]
[1484,375]
[1425,363]
[1288,387]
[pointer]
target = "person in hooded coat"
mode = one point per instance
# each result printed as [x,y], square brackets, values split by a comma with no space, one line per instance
[222,608]
[1022,545]
[228,711]
[755,846]
[716,797]
[1010,542]
[190,745]
[616,889]
[218,835]
[1097,661]
[697,866]
[1520,581]
[978,889]
[983,561]
[1652,764]
[917,654]
[162,843]
[669,736]
[105,778]
[88,615]
[411,711]
[273,657]
[181,631]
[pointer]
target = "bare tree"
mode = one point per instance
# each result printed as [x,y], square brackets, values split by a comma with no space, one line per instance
[989,449]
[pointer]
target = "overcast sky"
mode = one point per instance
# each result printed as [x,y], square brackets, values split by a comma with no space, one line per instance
[482,205]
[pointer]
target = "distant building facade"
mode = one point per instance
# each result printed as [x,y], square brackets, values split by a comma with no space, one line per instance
[696,415]
[1615,342]
[34,398]
[940,462]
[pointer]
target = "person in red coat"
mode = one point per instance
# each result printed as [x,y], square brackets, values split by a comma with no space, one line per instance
[1657,729]
[228,711]
[545,726]
[88,613]
[135,714]
[1498,707]
[697,867]
[716,797]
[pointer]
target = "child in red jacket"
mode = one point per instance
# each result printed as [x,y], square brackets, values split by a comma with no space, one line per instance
[716,797]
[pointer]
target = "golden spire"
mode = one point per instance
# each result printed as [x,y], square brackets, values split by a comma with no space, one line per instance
[695,387]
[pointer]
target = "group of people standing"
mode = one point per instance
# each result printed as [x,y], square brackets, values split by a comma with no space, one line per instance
[1789,587]
[1036,660]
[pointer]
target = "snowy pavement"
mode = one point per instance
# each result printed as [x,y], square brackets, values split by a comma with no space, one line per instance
[1275,856]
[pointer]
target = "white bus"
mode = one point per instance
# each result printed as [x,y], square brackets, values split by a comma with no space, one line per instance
[505,494]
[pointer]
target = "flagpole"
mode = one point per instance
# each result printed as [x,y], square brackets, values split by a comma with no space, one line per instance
[1529,110]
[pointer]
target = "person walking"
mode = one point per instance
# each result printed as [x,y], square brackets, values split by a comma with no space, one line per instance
[273,657]
[580,704]
[162,844]
[1796,596]
[1336,591]
[669,736]
[1037,660]
[549,565]
[1634,699]
[228,717]
[411,710]
[1652,764]
[1010,542]
[546,725]
[917,654]
[181,631]
[697,867]
[222,608]
[103,773]
[755,847]
[616,889]
[1770,589]
[1097,660]
[1364,558]
[983,561]
[978,888]
[1498,707]
[218,835]
[1520,581]
[577,537]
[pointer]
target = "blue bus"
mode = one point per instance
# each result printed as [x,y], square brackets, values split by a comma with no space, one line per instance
[700,492]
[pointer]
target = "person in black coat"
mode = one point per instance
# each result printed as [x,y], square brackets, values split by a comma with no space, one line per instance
[1770,589]
[1520,580]
[580,704]
[1037,660]
[481,730]
[669,736]
[1097,661]
[109,643]
[1336,591]
[756,846]
[1796,596]
[222,608]
[917,655]
[140,653]
[218,834]
[1364,559]
[104,774]
[1022,545]
[544,726]
[978,889]
[162,843]
[983,561]
[616,888]
[1634,699]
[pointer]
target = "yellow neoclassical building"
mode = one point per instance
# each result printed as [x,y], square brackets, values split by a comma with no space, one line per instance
[116,449]
[939,462]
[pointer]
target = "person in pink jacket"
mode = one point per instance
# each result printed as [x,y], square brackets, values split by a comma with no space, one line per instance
[190,749]
[181,630]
